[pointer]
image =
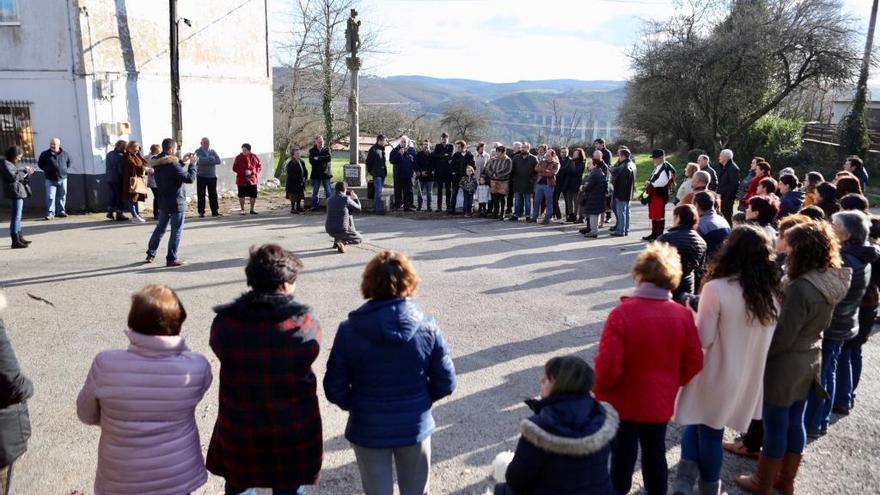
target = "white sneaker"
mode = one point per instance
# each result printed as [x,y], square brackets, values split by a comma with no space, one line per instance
[138,219]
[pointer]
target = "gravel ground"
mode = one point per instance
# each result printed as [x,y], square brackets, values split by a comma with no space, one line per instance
[507,295]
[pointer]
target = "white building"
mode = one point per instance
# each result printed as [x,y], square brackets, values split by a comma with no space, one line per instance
[94,71]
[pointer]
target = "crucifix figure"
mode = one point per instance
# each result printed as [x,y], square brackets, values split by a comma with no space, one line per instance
[352,36]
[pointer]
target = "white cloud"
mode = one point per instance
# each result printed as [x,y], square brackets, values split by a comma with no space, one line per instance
[511,40]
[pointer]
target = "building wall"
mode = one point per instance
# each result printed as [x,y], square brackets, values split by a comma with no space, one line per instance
[118,72]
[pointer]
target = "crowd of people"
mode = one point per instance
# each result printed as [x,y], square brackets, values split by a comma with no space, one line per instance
[760,314]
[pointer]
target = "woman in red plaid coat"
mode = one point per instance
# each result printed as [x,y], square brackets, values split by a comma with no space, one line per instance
[268,430]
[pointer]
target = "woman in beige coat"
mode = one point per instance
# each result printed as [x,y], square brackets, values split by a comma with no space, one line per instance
[738,308]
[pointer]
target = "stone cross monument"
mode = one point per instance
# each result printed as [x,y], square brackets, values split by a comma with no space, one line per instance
[355,172]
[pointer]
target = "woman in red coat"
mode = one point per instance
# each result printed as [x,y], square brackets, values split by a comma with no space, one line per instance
[649,349]
[247,171]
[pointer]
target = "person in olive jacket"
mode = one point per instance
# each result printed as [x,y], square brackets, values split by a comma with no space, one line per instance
[852,228]
[815,284]
[15,424]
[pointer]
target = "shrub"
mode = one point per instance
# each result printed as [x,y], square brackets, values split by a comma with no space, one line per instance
[773,137]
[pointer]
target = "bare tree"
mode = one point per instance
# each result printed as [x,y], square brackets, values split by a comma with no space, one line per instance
[463,123]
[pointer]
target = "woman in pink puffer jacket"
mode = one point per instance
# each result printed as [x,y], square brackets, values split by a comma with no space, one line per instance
[144,400]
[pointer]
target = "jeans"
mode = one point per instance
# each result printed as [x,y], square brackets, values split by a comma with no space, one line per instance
[134,208]
[621,211]
[114,202]
[784,429]
[413,468]
[849,371]
[17,206]
[209,184]
[520,200]
[624,450]
[378,186]
[316,184]
[425,192]
[702,445]
[234,490]
[543,193]
[176,220]
[53,188]
[468,202]
[818,413]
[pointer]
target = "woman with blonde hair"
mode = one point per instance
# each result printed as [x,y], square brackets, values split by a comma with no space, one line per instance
[687,185]
[649,348]
[144,400]
[134,180]
[388,365]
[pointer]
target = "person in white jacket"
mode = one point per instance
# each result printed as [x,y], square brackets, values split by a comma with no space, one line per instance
[736,316]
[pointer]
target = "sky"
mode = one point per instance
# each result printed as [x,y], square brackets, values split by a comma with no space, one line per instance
[511,40]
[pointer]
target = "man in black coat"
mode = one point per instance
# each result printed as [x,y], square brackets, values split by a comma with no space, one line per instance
[728,183]
[320,159]
[15,425]
[623,181]
[55,162]
[113,178]
[170,178]
[377,167]
[424,169]
[442,157]
[461,160]
[703,163]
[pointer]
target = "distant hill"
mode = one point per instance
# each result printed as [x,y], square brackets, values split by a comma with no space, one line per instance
[518,110]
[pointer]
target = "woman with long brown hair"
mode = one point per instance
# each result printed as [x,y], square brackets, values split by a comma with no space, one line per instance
[134,180]
[815,284]
[736,315]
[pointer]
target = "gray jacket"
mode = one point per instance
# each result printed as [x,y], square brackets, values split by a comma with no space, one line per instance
[207,164]
[339,210]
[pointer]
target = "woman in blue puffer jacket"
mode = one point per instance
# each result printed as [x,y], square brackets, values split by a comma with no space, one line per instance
[388,365]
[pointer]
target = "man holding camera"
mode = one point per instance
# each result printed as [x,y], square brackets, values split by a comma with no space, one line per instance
[340,221]
[170,178]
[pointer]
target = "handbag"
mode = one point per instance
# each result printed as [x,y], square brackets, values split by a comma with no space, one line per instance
[644,198]
[138,185]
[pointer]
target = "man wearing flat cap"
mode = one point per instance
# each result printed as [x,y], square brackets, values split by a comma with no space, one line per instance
[658,187]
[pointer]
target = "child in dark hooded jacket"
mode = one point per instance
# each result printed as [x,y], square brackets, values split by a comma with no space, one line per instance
[565,445]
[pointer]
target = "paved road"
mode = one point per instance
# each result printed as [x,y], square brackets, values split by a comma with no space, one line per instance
[508,297]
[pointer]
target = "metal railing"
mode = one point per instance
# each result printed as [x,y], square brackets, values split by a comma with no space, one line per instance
[16,128]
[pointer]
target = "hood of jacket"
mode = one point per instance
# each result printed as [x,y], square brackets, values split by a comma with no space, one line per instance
[388,320]
[793,195]
[263,306]
[832,283]
[572,425]
[867,253]
[164,160]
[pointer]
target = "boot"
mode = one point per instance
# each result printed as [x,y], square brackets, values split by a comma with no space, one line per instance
[655,226]
[685,478]
[785,481]
[762,481]
[22,239]
[16,242]
[707,488]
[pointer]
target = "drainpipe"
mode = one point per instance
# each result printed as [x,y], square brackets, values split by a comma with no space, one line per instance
[82,149]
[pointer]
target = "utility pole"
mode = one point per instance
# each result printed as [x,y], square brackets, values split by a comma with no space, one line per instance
[176,107]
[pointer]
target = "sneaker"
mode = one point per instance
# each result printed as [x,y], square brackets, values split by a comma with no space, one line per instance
[48,217]
[254,212]
[216,214]
[243,212]
[149,259]
[615,233]
[61,215]
[110,215]
[175,263]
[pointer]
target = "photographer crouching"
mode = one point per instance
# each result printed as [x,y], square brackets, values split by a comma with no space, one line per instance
[340,222]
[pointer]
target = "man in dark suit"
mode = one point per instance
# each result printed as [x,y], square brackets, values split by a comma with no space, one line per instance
[442,158]
[728,183]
